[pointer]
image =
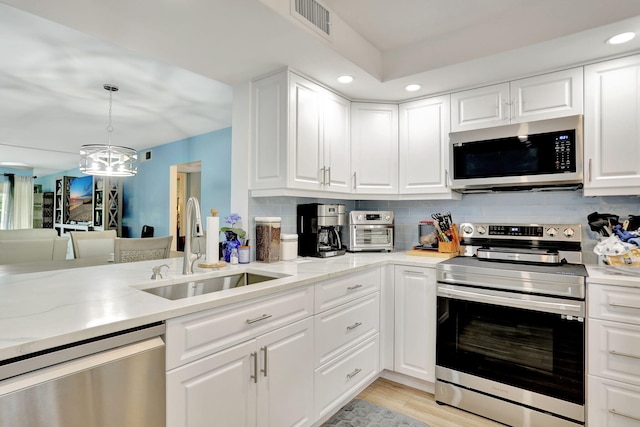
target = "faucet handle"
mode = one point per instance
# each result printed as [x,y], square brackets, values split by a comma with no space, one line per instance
[157,271]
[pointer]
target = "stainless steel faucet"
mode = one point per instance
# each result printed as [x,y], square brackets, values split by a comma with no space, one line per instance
[194,229]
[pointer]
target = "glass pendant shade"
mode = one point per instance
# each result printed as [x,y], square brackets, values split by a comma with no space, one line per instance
[107,159]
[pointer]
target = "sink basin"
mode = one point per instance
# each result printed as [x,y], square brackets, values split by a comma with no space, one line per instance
[205,286]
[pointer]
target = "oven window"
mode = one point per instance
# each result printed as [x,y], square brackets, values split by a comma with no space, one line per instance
[540,352]
[373,236]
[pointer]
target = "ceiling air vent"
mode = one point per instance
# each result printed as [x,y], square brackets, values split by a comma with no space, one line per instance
[313,14]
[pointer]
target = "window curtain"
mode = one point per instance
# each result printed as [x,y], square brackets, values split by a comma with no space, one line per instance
[16,196]
[5,194]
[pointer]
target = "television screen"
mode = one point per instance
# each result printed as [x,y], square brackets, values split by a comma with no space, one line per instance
[81,193]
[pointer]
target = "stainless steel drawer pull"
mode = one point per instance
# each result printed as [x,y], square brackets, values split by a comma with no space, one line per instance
[354,287]
[355,325]
[254,377]
[631,417]
[257,319]
[353,374]
[264,370]
[617,353]
[615,304]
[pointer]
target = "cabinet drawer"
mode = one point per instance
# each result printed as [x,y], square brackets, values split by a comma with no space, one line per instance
[612,404]
[614,350]
[196,335]
[616,303]
[342,327]
[336,380]
[332,293]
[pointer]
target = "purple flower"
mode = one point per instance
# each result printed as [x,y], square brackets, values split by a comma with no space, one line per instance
[232,218]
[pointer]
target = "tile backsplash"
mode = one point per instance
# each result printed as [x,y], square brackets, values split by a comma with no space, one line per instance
[514,207]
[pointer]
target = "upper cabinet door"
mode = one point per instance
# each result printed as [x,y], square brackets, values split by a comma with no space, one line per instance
[337,143]
[611,123]
[374,148]
[547,96]
[424,146]
[480,108]
[305,134]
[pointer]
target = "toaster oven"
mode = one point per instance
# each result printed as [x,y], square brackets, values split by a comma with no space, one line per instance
[370,231]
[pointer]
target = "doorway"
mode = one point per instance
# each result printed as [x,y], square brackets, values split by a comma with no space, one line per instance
[186,181]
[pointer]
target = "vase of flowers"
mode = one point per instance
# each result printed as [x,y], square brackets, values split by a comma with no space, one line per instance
[233,235]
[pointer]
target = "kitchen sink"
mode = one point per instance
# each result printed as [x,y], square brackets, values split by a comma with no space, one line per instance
[196,287]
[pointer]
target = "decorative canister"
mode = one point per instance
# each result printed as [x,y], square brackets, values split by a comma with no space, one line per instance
[268,239]
[288,247]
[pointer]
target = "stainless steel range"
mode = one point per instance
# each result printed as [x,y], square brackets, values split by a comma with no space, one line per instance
[511,330]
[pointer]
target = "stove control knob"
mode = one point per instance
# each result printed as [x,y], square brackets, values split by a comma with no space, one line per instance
[467,229]
[481,229]
[569,232]
[360,217]
[552,231]
[387,217]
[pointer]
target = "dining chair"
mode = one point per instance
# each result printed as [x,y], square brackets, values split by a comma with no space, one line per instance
[93,243]
[142,248]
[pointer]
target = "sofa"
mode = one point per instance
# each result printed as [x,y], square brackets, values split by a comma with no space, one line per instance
[32,245]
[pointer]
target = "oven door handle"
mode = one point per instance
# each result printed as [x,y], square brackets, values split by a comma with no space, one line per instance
[527,302]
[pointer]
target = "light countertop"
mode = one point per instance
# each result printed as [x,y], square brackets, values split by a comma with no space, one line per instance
[45,309]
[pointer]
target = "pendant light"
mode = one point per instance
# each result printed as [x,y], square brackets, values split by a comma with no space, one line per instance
[108,160]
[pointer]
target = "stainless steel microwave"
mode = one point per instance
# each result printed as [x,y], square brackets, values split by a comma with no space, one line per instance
[546,153]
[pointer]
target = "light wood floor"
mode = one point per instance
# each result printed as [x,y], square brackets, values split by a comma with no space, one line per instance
[420,405]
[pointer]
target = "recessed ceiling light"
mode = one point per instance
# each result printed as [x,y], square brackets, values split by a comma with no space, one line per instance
[345,79]
[413,87]
[621,38]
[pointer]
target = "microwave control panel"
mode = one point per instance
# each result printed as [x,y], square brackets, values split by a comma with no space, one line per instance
[563,148]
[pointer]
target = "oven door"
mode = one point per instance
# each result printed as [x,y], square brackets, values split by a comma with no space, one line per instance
[505,341]
[371,238]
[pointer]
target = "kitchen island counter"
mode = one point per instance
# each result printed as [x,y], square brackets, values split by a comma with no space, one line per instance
[46,309]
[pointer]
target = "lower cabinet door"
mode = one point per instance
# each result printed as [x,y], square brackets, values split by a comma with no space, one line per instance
[216,390]
[612,403]
[415,322]
[285,376]
[338,379]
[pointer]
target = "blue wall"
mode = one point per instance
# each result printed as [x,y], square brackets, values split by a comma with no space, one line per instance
[146,196]
[19,172]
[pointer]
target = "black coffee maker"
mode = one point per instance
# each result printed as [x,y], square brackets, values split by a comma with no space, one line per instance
[319,230]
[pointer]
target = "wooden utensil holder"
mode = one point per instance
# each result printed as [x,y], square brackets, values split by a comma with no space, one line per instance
[454,245]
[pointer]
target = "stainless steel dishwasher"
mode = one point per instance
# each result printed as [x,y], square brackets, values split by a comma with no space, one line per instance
[116,380]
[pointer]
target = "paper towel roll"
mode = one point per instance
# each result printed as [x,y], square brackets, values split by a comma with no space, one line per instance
[213,239]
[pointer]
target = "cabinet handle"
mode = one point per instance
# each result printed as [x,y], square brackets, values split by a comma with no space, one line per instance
[254,377]
[589,170]
[353,374]
[355,325]
[615,304]
[322,173]
[257,319]
[631,417]
[354,181]
[354,287]
[617,353]
[512,108]
[264,371]
[329,172]
[446,178]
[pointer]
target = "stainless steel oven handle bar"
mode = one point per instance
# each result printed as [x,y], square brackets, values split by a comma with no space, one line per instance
[527,302]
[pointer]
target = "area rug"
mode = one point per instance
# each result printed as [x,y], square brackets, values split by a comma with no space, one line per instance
[360,413]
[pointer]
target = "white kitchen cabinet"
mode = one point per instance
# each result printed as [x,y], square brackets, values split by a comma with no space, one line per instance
[424,127]
[347,339]
[267,381]
[611,122]
[613,381]
[546,96]
[301,136]
[374,148]
[415,322]
[258,351]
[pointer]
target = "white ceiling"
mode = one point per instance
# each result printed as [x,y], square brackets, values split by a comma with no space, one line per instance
[176,63]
